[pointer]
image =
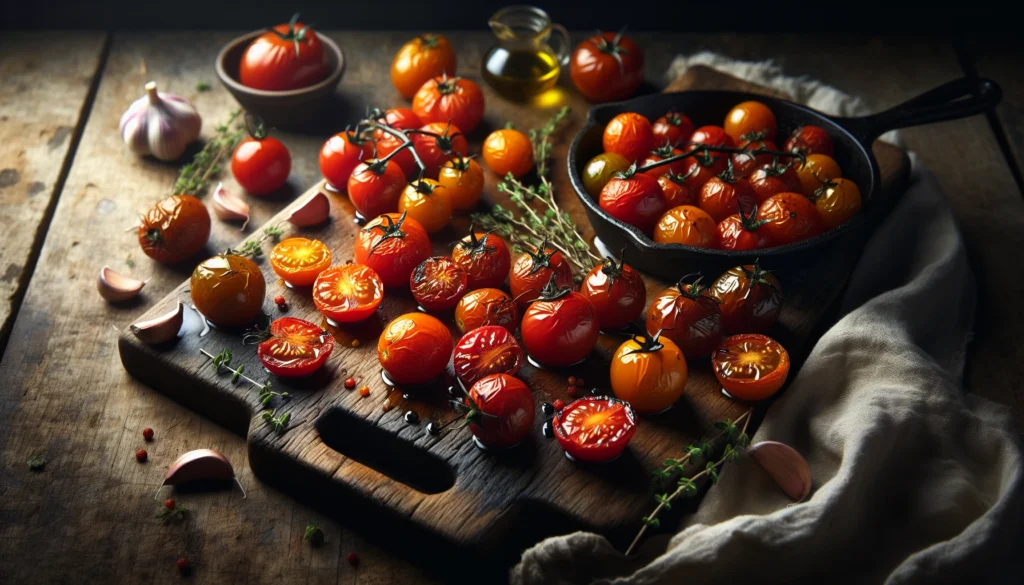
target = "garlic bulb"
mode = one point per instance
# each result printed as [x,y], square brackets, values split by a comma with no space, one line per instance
[160,124]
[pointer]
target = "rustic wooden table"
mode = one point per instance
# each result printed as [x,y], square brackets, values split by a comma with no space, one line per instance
[65,178]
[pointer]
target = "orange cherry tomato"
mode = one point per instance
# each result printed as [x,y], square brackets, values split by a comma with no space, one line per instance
[630,135]
[228,290]
[414,349]
[595,428]
[689,316]
[438,283]
[837,201]
[463,179]
[617,292]
[607,67]
[750,118]
[672,128]
[375,187]
[815,171]
[726,195]
[744,163]
[450,100]
[634,198]
[299,261]
[485,259]
[649,372]
[533,270]
[687,225]
[340,155]
[175,229]
[600,169]
[440,144]
[348,293]
[774,178]
[486,306]
[661,153]
[508,151]
[290,56]
[677,190]
[789,217]
[426,201]
[295,348]
[751,366]
[749,298]
[420,60]
[392,245]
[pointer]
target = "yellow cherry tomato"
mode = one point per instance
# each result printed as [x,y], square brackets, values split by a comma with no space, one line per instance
[464,180]
[837,201]
[817,169]
[599,171]
[426,201]
[649,373]
[299,261]
[508,151]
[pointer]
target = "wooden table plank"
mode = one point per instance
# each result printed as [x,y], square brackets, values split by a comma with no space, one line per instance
[43,89]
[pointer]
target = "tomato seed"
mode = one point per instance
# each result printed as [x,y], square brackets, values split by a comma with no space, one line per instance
[147,433]
[183,565]
[350,383]
[279,300]
[355,343]
[141,455]
[572,392]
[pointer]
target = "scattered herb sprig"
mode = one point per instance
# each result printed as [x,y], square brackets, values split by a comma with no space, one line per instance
[37,462]
[194,177]
[223,360]
[165,515]
[279,423]
[254,248]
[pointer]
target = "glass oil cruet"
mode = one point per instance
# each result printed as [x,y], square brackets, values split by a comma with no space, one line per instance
[523,63]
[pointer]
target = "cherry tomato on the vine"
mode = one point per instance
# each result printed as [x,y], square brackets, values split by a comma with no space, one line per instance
[426,201]
[486,306]
[261,163]
[810,140]
[742,231]
[689,316]
[744,164]
[404,159]
[711,136]
[299,261]
[630,135]
[674,128]
[634,198]
[607,67]
[437,143]
[375,187]
[815,171]
[348,293]
[595,428]
[294,348]
[414,348]
[485,351]
[485,259]
[341,154]
[560,328]
[649,372]
[659,154]
[399,119]
[392,245]
[175,229]
[749,298]
[599,170]
[617,292]
[533,269]
[677,190]
[463,179]
[749,118]
[420,60]
[687,225]
[702,167]
[508,151]
[789,217]
[774,178]
[751,366]
[501,411]
[726,195]
[437,283]
[289,56]
[454,100]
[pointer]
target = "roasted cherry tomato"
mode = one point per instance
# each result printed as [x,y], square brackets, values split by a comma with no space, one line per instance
[454,100]
[749,298]
[532,271]
[485,259]
[261,163]
[392,245]
[649,372]
[560,328]
[774,178]
[837,201]
[437,283]
[810,140]
[815,171]
[485,351]
[399,119]
[630,135]
[440,144]
[299,261]
[634,198]
[420,60]
[742,231]
[289,56]
[677,190]
[687,225]
[228,290]
[426,201]
[659,154]
[751,366]
[348,293]
[726,195]
[508,151]
[711,136]
[750,118]
[463,179]
[687,315]
[789,217]
[673,128]
[501,411]
[341,154]
[375,187]
[599,171]
[617,293]
[744,163]
[486,306]
[607,67]
[389,143]
[175,229]
[414,349]
[294,348]
[595,428]
[702,167]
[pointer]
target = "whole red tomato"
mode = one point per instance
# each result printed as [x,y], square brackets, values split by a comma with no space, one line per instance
[774,178]
[711,136]
[744,164]
[375,187]
[788,218]
[634,198]
[388,144]
[437,143]
[672,128]
[810,140]
[454,100]
[485,259]
[607,67]
[702,167]
[288,56]
[414,349]
[500,411]
[617,293]
[393,246]
[560,328]
[742,231]
[294,348]
[175,229]
[749,298]
[484,351]
[437,284]
[261,163]
[677,190]
[726,194]
[659,154]
[341,154]
[532,271]
[687,315]
[630,135]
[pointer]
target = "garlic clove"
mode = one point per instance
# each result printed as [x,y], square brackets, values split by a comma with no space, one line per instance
[314,211]
[230,207]
[116,287]
[786,466]
[160,329]
[197,465]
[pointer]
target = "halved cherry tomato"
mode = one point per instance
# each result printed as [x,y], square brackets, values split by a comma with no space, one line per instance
[341,154]
[673,128]
[454,100]
[607,67]
[175,229]
[741,231]
[630,135]
[295,348]
[837,201]
[595,428]
[392,245]
[726,194]
[463,179]
[751,366]
[560,328]
[659,154]
[774,178]
[702,167]
[261,163]
[750,118]
[634,198]
[508,151]
[815,171]
[687,225]
[532,271]
[375,187]
[749,298]
[810,140]
[228,290]
[486,306]
[649,372]
[348,293]
[289,56]
[389,143]
[299,261]
[617,293]
[789,217]
[420,60]
[436,144]
[485,259]
[485,351]
[677,190]
[399,119]
[687,315]
[414,348]
[711,136]
[437,283]
[744,164]
[501,411]
[599,171]
[426,201]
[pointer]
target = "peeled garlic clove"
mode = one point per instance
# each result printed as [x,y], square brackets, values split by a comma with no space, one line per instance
[314,211]
[230,207]
[116,287]
[787,467]
[197,465]
[160,329]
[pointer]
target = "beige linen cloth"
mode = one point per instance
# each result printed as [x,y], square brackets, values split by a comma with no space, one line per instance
[914,481]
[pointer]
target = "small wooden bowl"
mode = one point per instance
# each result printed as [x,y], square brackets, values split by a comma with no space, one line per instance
[288,110]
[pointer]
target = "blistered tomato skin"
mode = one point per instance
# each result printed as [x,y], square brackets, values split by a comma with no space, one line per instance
[560,332]
[533,270]
[348,293]
[485,258]
[507,408]
[486,306]
[393,246]
[594,429]
[789,218]
[438,283]
[630,135]
[340,155]
[649,374]
[617,292]
[485,351]
[637,200]
[688,316]
[414,349]
[749,298]
[175,229]
[228,290]
[686,225]
[295,348]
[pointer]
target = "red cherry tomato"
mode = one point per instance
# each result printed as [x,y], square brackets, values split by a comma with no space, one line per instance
[289,57]
[295,348]
[810,140]
[594,429]
[484,258]
[789,217]
[745,164]
[485,351]
[399,119]
[629,134]
[340,155]
[450,100]
[442,144]
[636,199]
[673,128]
[375,188]
[414,348]
[390,143]
[486,306]
[659,154]
[607,67]
[749,298]
[437,284]
[701,168]
[617,293]
[726,195]
[347,293]
[751,366]
[689,316]
[742,231]
[560,328]
[261,164]
[677,190]
[392,245]
[711,136]
[532,271]
[772,179]
[501,411]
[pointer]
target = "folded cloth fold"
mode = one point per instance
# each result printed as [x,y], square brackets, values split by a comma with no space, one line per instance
[914,481]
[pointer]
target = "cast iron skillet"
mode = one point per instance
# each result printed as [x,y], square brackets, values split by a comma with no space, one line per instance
[852,138]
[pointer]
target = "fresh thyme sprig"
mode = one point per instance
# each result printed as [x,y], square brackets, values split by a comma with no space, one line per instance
[541,139]
[278,422]
[223,360]
[165,515]
[194,177]
[314,535]
[254,248]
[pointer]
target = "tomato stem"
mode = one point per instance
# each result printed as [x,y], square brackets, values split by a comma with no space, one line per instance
[705,150]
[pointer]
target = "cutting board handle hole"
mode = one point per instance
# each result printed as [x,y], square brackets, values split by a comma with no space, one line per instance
[384,452]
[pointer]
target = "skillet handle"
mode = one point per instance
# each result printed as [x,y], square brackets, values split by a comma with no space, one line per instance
[951,101]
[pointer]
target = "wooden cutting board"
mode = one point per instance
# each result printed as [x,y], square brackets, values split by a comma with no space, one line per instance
[356,457]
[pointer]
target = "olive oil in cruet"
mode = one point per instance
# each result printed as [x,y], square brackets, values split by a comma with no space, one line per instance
[523,63]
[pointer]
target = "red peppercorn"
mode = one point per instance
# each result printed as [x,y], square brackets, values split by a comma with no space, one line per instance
[350,383]
[147,433]
[169,503]
[364,391]
[572,380]
[353,559]
[279,300]
[558,404]
[572,392]
[183,565]
[141,455]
